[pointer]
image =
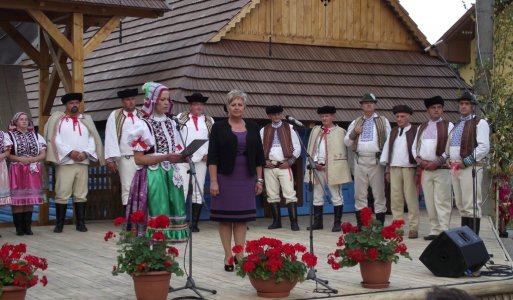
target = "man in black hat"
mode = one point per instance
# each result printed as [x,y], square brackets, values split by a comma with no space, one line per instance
[428,150]
[469,144]
[327,149]
[367,135]
[281,149]
[118,152]
[401,168]
[197,125]
[73,142]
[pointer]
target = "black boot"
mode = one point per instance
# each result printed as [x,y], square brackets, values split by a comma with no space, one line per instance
[18,220]
[80,208]
[196,212]
[292,208]
[337,211]
[358,215]
[471,224]
[27,218]
[60,216]
[381,217]
[275,210]
[317,224]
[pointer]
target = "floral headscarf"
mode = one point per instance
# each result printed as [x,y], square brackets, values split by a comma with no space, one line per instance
[152,91]
[14,120]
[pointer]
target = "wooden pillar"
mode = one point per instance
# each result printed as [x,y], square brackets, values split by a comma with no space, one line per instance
[44,73]
[77,72]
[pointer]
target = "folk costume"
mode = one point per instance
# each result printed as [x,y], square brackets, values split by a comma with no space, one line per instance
[367,147]
[5,192]
[26,180]
[193,128]
[158,189]
[326,147]
[64,134]
[469,142]
[117,149]
[401,167]
[429,145]
[281,144]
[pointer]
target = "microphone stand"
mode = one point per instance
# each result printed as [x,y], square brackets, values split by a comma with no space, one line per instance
[190,284]
[474,167]
[312,273]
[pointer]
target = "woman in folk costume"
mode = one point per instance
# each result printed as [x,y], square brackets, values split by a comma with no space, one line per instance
[25,172]
[5,147]
[157,185]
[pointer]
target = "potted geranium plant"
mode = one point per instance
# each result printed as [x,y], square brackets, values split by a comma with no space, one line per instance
[18,271]
[273,267]
[373,246]
[149,259]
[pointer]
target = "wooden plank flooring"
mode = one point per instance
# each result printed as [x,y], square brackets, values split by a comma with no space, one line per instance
[80,264]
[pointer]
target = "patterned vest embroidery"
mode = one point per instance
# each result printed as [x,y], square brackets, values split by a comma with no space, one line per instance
[284,137]
[24,144]
[158,129]
[441,136]
[380,123]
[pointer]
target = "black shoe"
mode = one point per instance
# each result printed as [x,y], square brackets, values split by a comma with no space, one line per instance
[337,210]
[196,212]
[60,216]
[275,210]
[19,222]
[430,237]
[381,218]
[229,268]
[358,216]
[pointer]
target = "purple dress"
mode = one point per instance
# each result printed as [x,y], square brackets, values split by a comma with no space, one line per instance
[236,199]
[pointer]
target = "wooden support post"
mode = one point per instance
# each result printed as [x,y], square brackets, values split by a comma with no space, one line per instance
[44,70]
[59,63]
[77,39]
[52,30]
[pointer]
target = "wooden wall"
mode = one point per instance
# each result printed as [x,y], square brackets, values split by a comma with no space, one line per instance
[346,23]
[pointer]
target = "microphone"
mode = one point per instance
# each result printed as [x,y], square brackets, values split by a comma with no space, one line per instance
[175,118]
[294,121]
[432,46]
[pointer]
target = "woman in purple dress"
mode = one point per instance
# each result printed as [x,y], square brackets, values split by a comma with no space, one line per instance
[235,161]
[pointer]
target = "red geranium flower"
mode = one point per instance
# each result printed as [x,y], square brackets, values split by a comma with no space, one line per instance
[137,217]
[119,221]
[173,251]
[162,222]
[237,249]
[158,236]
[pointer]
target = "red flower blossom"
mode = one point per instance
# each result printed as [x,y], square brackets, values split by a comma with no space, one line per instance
[299,247]
[141,266]
[401,248]
[44,281]
[162,222]
[248,267]
[237,249]
[108,235]
[346,227]
[309,259]
[173,251]
[137,217]
[19,267]
[168,263]
[119,221]
[372,254]
[366,216]
[389,233]
[357,255]
[158,236]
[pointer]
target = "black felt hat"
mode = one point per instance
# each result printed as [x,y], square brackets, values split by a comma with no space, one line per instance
[196,97]
[127,93]
[433,100]
[402,109]
[326,110]
[468,96]
[71,96]
[273,109]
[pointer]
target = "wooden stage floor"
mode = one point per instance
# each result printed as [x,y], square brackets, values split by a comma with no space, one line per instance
[80,265]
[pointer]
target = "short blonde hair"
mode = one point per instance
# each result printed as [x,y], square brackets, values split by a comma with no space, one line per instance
[234,94]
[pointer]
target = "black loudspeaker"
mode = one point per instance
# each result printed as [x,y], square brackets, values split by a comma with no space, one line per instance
[455,252]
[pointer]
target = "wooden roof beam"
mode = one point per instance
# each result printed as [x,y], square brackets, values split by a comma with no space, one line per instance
[101,35]
[84,8]
[21,41]
[53,31]
[59,63]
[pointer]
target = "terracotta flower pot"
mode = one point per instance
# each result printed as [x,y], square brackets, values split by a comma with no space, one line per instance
[11,292]
[270,289]
[375,274]
[152,285]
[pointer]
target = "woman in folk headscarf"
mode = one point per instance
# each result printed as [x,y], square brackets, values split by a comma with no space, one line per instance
[25,173]
[157,186]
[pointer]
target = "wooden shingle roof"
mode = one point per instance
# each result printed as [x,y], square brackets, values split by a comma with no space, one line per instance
[175,51]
